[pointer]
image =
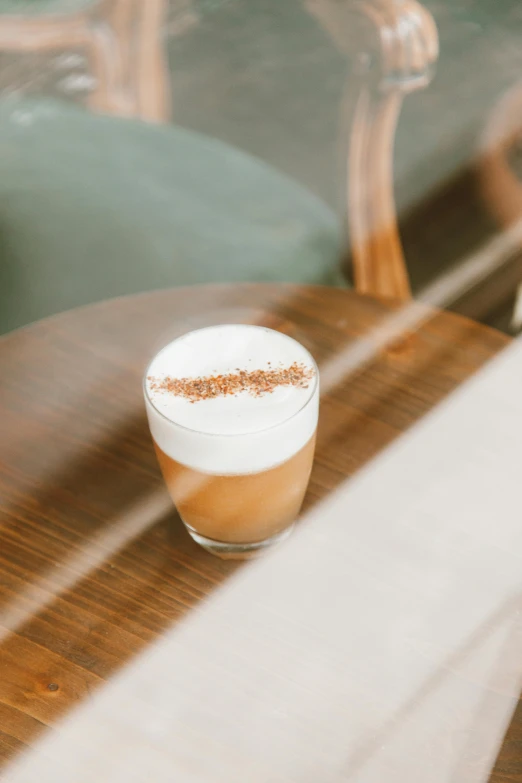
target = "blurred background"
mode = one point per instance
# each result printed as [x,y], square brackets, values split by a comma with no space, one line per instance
[151,143]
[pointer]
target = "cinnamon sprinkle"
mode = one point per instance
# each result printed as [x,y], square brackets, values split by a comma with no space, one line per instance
[255,382]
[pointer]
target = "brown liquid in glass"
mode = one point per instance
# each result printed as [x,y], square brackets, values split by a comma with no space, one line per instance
[240,509]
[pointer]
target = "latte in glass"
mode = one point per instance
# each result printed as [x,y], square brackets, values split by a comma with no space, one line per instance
[233,414]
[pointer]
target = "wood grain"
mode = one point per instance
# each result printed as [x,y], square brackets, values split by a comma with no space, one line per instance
[94,563]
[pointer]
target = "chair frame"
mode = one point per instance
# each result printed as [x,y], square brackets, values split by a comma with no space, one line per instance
[394,44]
[122,41]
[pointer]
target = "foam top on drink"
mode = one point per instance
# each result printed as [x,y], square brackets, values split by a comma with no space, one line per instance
[232,398]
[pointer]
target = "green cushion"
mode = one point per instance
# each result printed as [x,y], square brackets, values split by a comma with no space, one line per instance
[94,207]
[40,7]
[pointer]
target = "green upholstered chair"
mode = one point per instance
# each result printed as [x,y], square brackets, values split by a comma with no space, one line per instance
[94,207]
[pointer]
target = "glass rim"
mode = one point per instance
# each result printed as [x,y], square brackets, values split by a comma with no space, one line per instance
[231,434]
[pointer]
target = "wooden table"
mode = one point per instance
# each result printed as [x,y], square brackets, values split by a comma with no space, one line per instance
[94,564]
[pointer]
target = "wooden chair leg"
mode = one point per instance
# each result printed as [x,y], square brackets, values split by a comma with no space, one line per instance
[129,62]
[152,76]
[377,255]
[396,42]
[106,60]
[408,47]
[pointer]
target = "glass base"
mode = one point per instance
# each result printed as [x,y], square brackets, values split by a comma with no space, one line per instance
[229,551]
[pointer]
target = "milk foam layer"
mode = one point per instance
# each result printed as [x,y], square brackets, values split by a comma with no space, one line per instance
[233,434]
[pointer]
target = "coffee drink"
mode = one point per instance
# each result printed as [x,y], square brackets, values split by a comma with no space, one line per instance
[233,413]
